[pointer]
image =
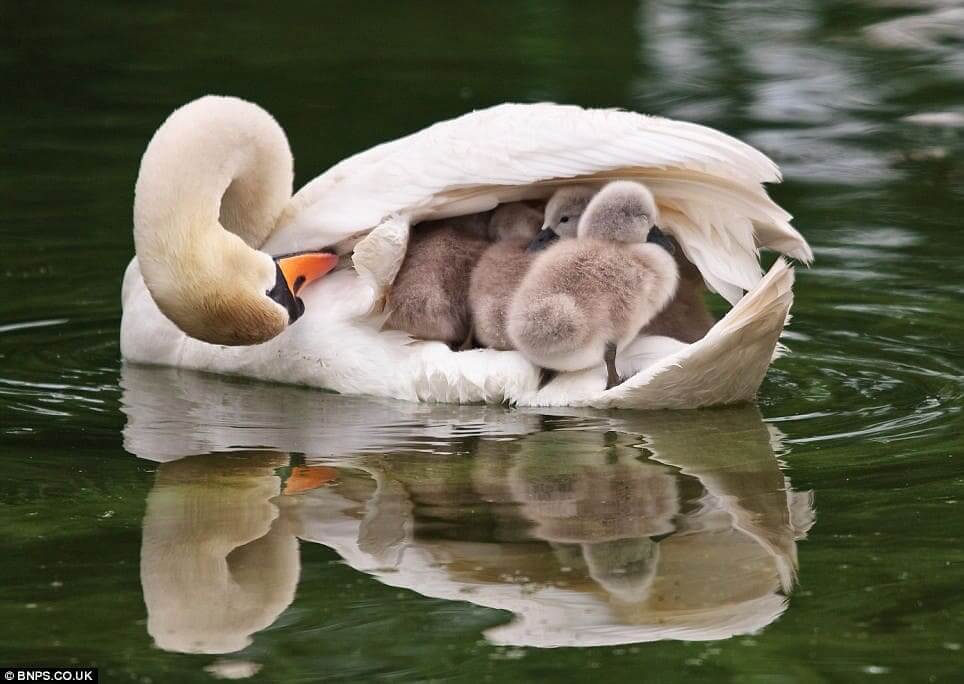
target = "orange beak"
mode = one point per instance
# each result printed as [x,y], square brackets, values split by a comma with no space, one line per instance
[304,267]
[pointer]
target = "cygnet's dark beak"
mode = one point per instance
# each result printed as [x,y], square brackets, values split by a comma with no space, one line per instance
[660,238]
[294,272]
[543,239]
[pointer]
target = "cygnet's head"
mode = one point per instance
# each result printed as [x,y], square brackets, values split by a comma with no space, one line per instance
[514,221]
[623,211]
[563,211]
[565,207]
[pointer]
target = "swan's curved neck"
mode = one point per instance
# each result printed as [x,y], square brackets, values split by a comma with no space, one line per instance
[213,181]
[215,160]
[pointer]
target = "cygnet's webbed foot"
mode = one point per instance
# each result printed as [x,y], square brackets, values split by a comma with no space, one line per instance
[612,375]
[546,375]
[660,238]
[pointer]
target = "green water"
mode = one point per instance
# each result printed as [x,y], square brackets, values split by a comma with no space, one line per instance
[141,519]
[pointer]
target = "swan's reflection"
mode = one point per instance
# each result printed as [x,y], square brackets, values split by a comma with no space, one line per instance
[590,528]
[219,560]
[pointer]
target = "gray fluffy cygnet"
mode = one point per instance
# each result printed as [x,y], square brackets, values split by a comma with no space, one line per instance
[515,228]
[685,318]
[583,299]
[499,271]
[429,298]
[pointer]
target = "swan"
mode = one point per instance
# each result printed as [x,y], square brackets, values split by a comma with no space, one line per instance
[584,299]
[213,207]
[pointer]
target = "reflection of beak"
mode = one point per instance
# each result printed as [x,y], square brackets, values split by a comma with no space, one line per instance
[660,238]
[304,267]
[294,272]
[543,239]
[306,478]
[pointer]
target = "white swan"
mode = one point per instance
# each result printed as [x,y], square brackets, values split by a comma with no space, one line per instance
[212,203]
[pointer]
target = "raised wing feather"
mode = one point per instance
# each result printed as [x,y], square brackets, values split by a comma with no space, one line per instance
[709,185]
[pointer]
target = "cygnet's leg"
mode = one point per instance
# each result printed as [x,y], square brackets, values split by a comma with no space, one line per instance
[546,375]
[612,376]
[469,341]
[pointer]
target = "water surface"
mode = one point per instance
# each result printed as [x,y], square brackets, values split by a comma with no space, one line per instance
[166,524]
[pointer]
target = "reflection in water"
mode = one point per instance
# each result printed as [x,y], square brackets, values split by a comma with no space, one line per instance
[218,561]
[591,528]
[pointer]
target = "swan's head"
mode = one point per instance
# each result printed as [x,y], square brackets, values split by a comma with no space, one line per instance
[237,296]
[213,182]
[563,212]
[623,211]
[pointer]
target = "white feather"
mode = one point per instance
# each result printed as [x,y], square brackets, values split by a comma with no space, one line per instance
[336,346]
[709,183]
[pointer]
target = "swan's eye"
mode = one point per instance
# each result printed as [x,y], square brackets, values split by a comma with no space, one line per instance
[564,219]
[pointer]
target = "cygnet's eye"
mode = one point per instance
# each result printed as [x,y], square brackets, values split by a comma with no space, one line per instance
[564,219]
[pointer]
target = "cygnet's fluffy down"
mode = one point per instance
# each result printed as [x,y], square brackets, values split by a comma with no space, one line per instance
[429,298]
[583,299]
[514,221]
[499,271]
[686,318]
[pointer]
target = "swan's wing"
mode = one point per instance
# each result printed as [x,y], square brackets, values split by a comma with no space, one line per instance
[708,184]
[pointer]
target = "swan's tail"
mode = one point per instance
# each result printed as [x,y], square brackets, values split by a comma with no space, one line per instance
[553,324]
[770,299]
[727,365]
